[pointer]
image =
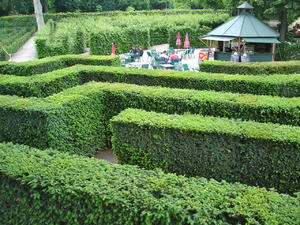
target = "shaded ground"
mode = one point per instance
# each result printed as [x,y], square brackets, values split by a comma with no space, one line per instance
[26,52]
[108,155]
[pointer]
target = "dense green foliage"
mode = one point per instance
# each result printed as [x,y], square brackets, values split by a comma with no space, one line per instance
[12,41]
[47,84]
[253,68]
[30,21]
[48,187]
[58,62]
[123,31]
[252,153]
[288,51]
[77,119]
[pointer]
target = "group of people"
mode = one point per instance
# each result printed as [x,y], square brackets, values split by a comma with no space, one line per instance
[165,59]
[134,51]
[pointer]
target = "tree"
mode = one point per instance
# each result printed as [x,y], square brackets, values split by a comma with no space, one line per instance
[45,6]
[38,10]
[137,4]
[167,3]
[286,11]
[66,5]
[89,5]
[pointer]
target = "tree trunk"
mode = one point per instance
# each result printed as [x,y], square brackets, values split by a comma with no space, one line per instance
[166,7]
[13,7]
[45,3]
[38,10]
[283,26]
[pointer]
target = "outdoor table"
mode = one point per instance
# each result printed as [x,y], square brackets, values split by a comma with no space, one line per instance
[165,66]
[135,64]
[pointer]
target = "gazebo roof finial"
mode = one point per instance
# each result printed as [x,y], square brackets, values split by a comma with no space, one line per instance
[245,5]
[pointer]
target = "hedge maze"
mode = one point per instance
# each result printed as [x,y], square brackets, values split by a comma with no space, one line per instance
[215,129]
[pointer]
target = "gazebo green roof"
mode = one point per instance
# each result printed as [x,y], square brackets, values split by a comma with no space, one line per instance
[244,25]
[245,5]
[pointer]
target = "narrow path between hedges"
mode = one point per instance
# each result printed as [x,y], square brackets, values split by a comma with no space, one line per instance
[26,52]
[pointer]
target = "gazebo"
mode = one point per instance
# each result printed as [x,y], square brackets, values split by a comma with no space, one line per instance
[245,34]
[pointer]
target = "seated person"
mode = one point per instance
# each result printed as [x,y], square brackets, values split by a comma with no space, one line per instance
[141,51]
[178,54]
[174,56]
[133,51]
[228,49]
[163,57]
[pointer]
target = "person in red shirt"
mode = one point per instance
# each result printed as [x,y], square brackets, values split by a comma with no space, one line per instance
[174,56]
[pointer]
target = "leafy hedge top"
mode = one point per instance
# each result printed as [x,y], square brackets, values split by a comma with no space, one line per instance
[168,74]
[57,62]
[29,20]
[160,92]
[208,124]
[252,68]
[145,194]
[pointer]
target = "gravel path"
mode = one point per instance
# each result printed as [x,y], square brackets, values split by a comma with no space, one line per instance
[26,52]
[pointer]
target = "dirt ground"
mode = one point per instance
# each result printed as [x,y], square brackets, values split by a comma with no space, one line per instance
[107,154]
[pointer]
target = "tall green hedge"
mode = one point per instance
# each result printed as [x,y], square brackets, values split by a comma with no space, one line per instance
[47,84]
[252,153]
[193,33]
[123,39]
[49,64]
[48,187]
[253,68]
[77,119]
[30,20]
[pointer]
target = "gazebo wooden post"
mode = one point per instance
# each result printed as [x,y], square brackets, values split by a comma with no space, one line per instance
[239,43]
[273,52]
[210,44]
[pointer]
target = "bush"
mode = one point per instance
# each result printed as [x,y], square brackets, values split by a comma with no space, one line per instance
[77,119]
[12,44]
[79,42]
[252,153]
[49,64]
[123,39]
[47,84]
[253,68]
[48,187]
[288,51]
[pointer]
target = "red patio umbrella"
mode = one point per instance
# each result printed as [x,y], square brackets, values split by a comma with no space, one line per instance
[186,42]
[113,49]
[178,41]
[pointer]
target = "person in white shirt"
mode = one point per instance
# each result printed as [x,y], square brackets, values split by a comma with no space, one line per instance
[163,57]
[178,54]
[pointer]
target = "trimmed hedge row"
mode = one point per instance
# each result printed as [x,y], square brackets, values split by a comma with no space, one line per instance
[48,187]
[122,37]
[253,68]
[77,119]
[15,45]
[30,20]
[49,64]
[257,154]
[47,84]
